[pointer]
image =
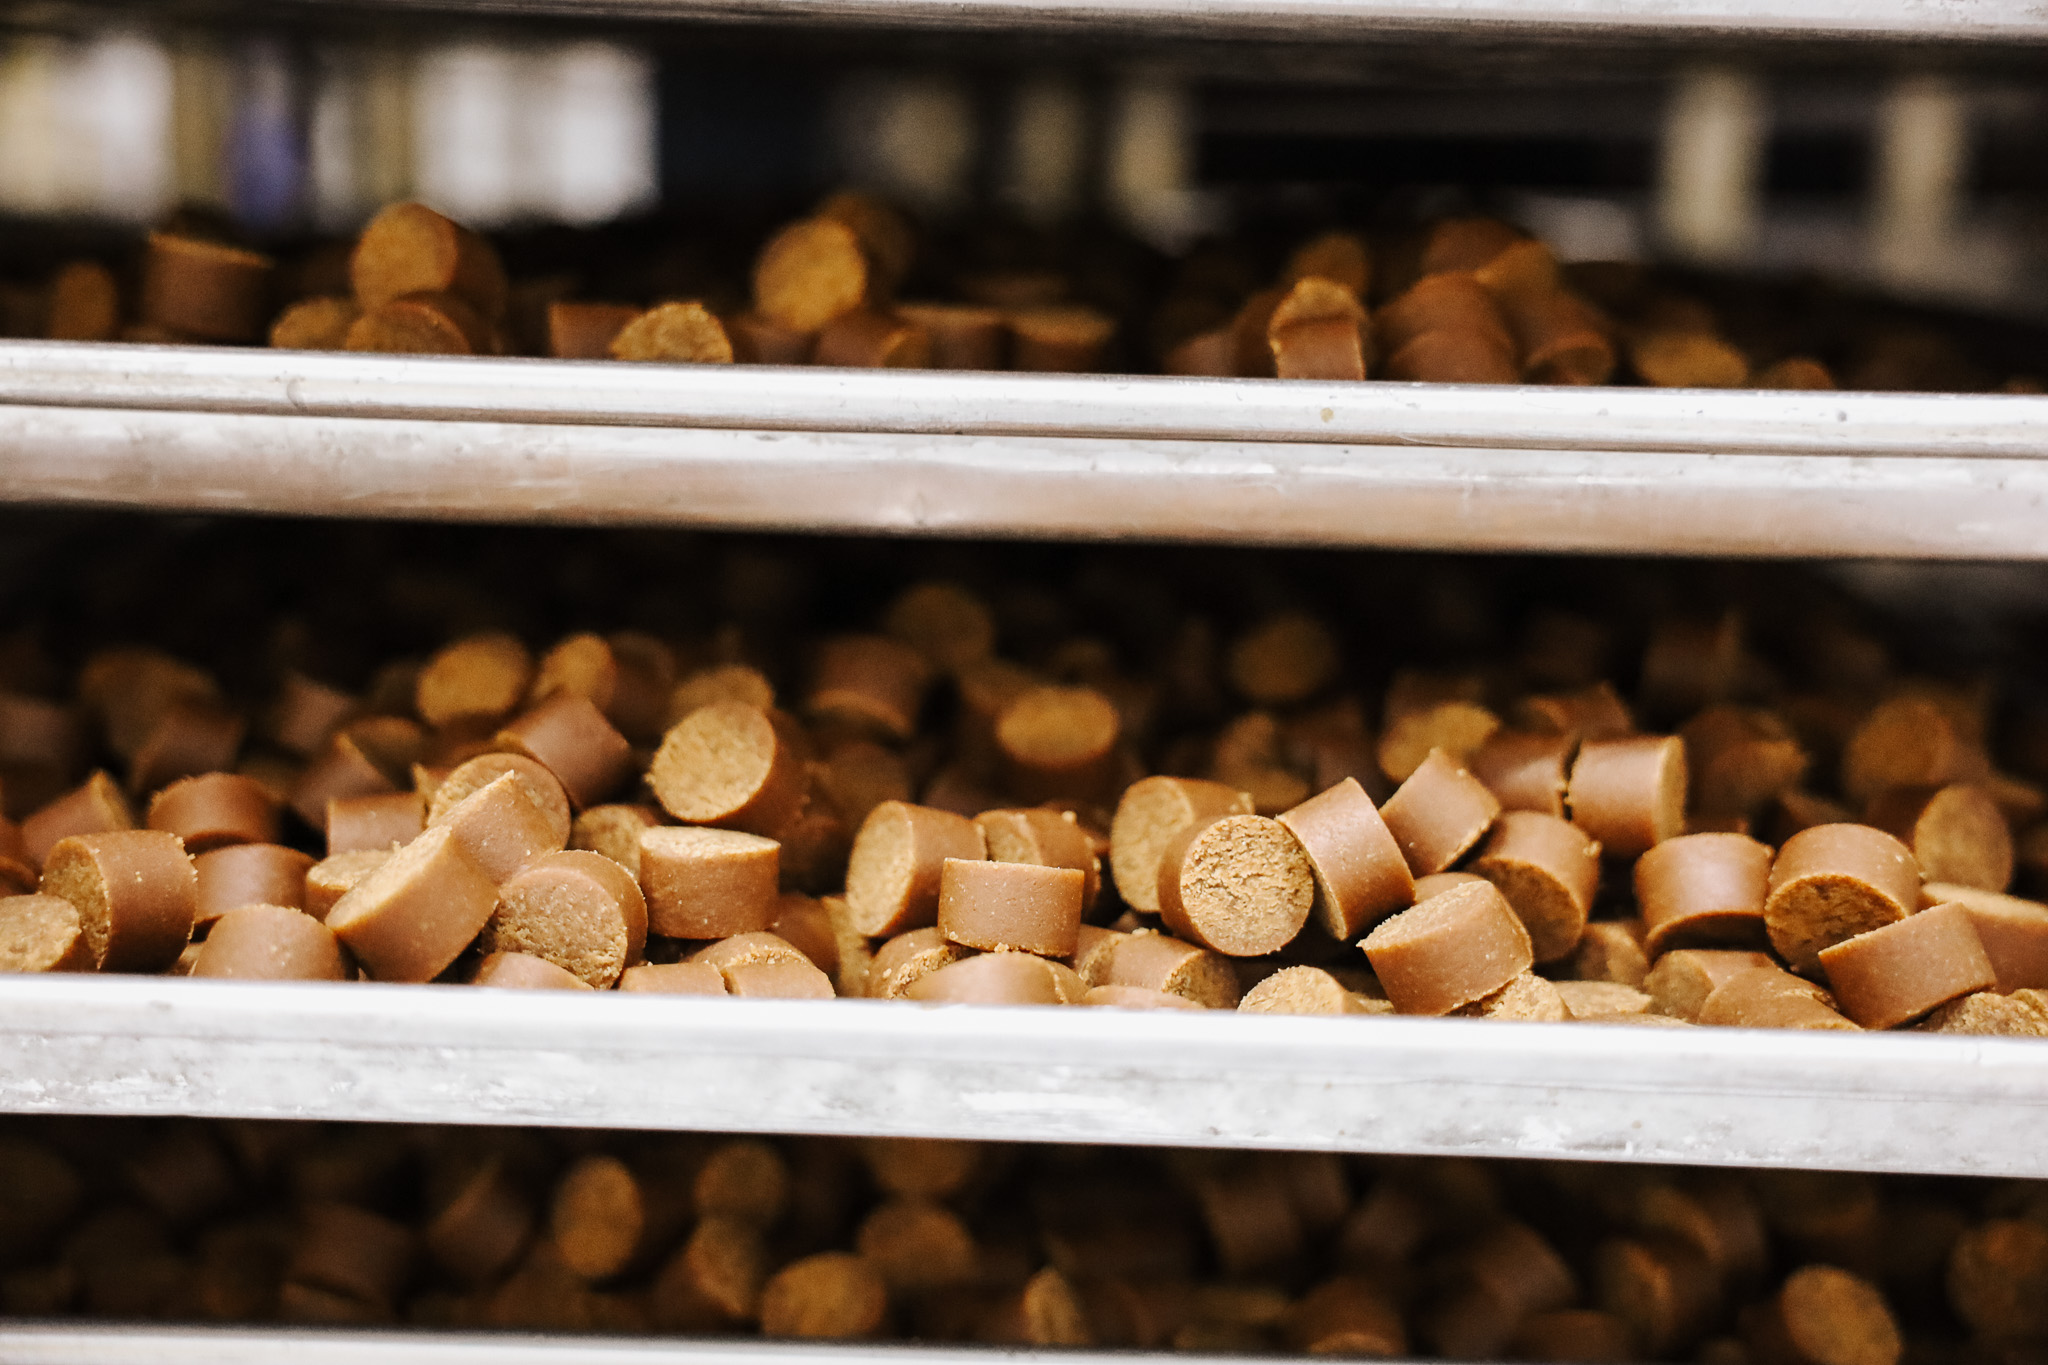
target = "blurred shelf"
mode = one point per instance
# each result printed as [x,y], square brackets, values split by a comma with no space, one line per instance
[1881,1102]
[1618,470]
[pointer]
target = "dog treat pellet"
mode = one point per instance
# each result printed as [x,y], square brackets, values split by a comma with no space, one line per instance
[714,1282]
[1152,814]
[1019,906]
[1135,998]
[1995,1278]
[135,892]
[727,764]
[674,978]
[1525,771]
[1957,833]
[270,943]
[1660,1286]
[832,1295]
[414,913]
[410,249]
[917,1245]
[806,925]
[606,1216]
[1059,742]
[1611,950]
[215,809]
[2012,1016]
[1629,793]
[1001,978]
[524,972]
[1893,975]
[1703,891]
[1458,728]
[1318,331]
[808,274]
[1350,1315]
[479,678]
[615,832]
[1739,758]
[85,303]
[1300,990]
[1059,338]
[2013,932]
[1908,741]
[1438,814]
[1586,998]
[1548,870]
[569,736]
[382,821]
[1360,873]
[342,770]
[870,684]
[898,858]
[188,738]
[1825,1316]
[500,826]
[584,331]
[708,883]
[1046,838]
[1529,998]
[315,324]
[204,290]
[873,339]
[1683,979]
[757,341]
[1161,962]
[328,880]
[579,910]
[421,324]
[907,958]
[1450,950]
[478,1234]
[676,333]
[95,807]
[1239,884]
[1833,882]
[1586,1336]
[42,934]
[963,336]
[351,1252]
[1770,997]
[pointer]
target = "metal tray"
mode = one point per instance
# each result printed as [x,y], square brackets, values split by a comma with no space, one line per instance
[1109,457]
[1880,1102]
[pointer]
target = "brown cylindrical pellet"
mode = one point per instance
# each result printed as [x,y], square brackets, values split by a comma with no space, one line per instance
[382,821]
[674,978]
[1908,741]
[1703,891]
[714,1281]
[607,1217]
[1998,1279]
[708,883]
[578,910]
[1161,962]
[16,873]
[1580,1336]
[96,806]
[677,333]
[964,336]
[1059,742]
[351,1252]
[757,341]
[342,770]
[1438,814]
[1660,1286]
[764,965]
[872,684]
[1529,998]
[832,1295]
[480,678]
[1630,793]
[1612,950]
[1301,990]
[1450,950]
[499,826]
[43,934]
[2013,932]
[1957,833]
[1739,759]
[1058,338]
[808,274]
[1825,1316]
[1456,727]
[1770,997]
[315,324]
[85,303]
[905,959]
[615,832]
[584,331]
[1048,838]
[524,972]
[1135,998]
[917,1245]
[807,925]
[1548,870]
[1895,974]
[873,339]
[1683,978]
[478,1234]
[135,892]
[1833,882]
[409,249]
[728,765]
[2011,1016]
[1361,875]
[1525,771]
[214,810]
[535,782]
[1151,815]
[1585,999]
[569,735]
[1019,906]
[1003,978]
[328,880]
[270,943]
[1239,884]
[417,910]
[204,289]
[899,855]
[187,739]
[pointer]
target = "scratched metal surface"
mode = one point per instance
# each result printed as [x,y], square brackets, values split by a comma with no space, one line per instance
[1878,1102]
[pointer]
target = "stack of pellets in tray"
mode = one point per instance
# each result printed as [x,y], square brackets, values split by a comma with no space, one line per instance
[963,794]
[955,1242]
[857,283]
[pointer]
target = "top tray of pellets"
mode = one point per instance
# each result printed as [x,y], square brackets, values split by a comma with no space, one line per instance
[1516,844]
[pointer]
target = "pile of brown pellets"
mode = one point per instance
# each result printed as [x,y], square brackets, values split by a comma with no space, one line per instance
[955,1242]
[856,283]
[941,800]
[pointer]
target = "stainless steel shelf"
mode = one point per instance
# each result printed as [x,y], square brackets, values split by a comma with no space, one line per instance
[71,1343]
[1115,457]
[1880,1102]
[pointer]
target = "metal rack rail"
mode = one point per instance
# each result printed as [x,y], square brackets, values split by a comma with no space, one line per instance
[1877,1102]
[1112,457]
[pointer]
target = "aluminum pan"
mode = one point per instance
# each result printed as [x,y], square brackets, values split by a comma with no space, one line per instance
[1880,1102]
